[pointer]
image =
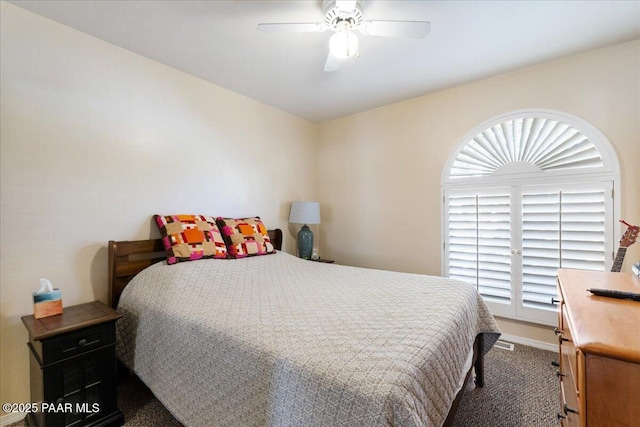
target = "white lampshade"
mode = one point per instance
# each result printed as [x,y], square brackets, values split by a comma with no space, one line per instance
[343,44]
[305,213]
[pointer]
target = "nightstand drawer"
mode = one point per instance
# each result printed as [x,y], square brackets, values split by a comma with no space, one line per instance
[73,343]
[85,340]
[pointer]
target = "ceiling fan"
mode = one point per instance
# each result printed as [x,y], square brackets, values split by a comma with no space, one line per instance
[343,17]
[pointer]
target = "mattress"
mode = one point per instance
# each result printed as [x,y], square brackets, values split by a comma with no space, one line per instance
[278,341]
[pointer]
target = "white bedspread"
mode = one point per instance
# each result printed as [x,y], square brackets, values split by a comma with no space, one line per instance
[278,341]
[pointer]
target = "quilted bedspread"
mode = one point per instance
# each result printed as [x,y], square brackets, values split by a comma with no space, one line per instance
[278,341]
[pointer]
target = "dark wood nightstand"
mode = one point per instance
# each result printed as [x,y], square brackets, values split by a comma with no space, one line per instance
[327,261]
[73,367]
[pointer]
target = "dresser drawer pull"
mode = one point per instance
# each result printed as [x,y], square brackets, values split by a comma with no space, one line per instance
[567,409]
[557,331]
[559,374]
[562,339]
[82,342]
[555,301]
[560,416]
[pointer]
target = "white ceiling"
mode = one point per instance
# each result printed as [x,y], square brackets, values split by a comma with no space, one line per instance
[469,40]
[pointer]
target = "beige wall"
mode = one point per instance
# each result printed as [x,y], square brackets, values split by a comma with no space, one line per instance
[380,170]
[95,140]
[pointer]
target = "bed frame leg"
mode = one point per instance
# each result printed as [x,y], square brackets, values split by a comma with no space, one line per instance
[122,372]
[479,363]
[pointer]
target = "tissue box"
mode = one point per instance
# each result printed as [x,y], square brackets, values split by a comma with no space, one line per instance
[47,304]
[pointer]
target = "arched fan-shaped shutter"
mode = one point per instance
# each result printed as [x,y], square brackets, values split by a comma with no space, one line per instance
[528,144]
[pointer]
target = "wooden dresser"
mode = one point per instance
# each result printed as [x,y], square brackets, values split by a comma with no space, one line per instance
[599,350]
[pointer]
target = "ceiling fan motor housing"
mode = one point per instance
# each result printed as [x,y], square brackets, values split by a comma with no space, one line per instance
[338,19]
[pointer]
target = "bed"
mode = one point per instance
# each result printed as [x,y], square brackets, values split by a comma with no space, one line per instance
[275,340]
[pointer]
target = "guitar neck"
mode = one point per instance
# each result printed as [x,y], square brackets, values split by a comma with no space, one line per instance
[617,263]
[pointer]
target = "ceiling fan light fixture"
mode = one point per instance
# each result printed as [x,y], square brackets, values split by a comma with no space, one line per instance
[346,6]
[343,44]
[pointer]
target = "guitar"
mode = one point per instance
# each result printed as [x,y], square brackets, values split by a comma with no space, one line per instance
[628,238]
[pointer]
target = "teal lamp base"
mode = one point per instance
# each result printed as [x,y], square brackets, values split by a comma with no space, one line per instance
[305,242]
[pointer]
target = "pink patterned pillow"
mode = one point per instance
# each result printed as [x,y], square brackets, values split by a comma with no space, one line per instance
[245,236]
[190,237]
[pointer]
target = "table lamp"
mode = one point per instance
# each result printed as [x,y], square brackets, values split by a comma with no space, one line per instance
[305,213]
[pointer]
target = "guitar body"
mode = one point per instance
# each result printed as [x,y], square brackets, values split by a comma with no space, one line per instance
[628,238]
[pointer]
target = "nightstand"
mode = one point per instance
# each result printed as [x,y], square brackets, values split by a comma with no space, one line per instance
[327,261]
[73,367]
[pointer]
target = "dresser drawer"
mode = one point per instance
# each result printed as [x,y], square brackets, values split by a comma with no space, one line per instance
[71,344]
[568,359]
[569,400]
[560,304]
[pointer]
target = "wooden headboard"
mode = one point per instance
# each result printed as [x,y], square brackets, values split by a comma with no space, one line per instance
[128,258]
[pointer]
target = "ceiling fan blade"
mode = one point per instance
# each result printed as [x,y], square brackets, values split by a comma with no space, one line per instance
[293,27]
[332,63]
[409,29]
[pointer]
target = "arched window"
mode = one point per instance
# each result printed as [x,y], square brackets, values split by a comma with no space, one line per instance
[524,194]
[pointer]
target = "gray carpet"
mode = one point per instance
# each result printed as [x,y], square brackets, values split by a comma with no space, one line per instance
[521,390]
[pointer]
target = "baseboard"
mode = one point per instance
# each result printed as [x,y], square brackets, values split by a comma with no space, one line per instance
[531,343]
[5,420]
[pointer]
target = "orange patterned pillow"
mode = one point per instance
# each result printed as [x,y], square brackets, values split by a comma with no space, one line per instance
[190,237]
[245,236]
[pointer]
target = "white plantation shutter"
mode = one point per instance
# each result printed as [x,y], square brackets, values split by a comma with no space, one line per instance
[584,227]
[509,242]
[562,227]
[526,193]
[479,243]
[494,245]
[462,238]
[540,247]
